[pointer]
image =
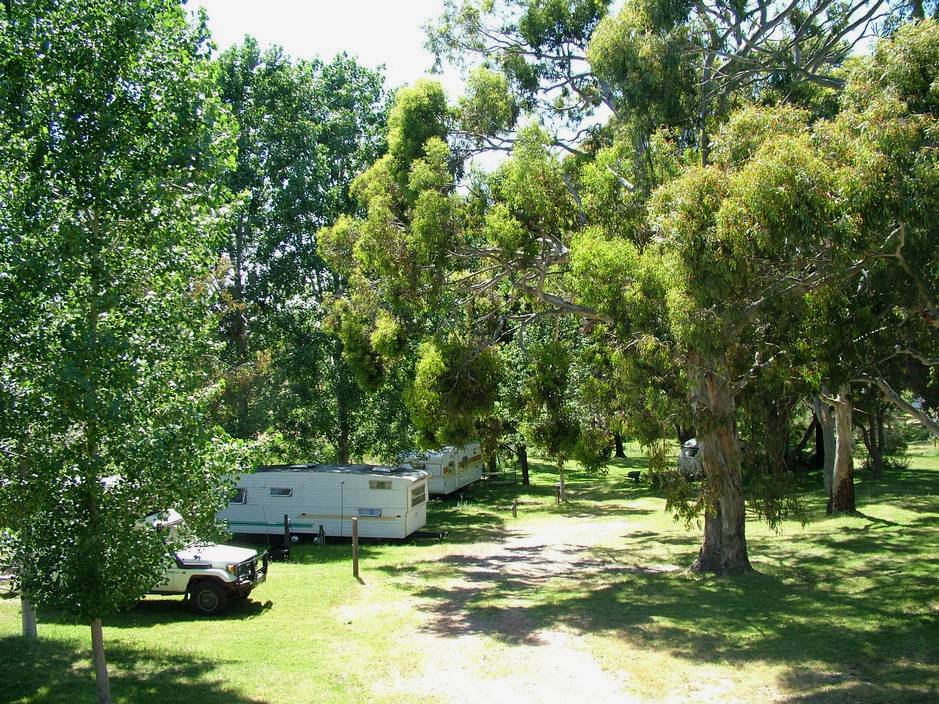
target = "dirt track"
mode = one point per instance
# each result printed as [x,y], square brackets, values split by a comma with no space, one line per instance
[472,658]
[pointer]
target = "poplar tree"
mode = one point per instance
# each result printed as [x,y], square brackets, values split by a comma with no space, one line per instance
[111,210]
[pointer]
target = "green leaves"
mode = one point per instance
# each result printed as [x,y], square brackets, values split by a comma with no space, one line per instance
[531,184]
[781,205]
[453,386]
[308,128]
[119,146]
[903,68]
[487,107]
[419,114]
[649,64]
[607,273]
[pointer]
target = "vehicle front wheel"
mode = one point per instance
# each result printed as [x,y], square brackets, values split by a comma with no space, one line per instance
[208,598]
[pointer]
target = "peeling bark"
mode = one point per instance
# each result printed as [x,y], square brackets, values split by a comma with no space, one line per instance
[724,549]
[842,496]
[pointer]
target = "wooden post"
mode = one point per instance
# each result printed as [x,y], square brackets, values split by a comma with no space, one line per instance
[322,535]
[355,547]
[514,508]
[286,532]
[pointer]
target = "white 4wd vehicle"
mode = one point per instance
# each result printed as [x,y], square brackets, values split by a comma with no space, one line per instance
[209,574]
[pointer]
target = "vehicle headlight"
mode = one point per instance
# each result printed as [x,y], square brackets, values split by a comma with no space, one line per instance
[232,568]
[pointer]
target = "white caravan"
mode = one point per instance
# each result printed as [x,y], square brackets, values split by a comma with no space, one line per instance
[451,468]
[469,463]
[388,502]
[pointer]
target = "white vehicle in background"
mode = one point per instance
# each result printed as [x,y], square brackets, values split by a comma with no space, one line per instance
[208,574]
[689,460]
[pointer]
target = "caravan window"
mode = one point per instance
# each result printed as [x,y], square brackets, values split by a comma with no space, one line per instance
[376,512]
[417,495]
[281,492]
[240,496]
[379,484]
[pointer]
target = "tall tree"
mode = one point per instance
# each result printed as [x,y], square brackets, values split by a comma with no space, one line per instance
[307,129]
[655,65]
[111,209]
[672,224]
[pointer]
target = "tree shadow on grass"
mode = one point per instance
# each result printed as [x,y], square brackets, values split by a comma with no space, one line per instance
[48,671]
[851,615]
[470,519]
[155,610]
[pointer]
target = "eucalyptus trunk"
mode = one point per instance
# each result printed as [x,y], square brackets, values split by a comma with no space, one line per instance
[826,422]
[618,444]
[874,438]
[881,440]
[842,496]
[521,452]
[724,549]
[818,459]
[709,556]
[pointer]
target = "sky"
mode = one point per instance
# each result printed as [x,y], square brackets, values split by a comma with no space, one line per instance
[388,32]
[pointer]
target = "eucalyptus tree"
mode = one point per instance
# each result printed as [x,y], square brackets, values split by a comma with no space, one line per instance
[670,226]
[306,129]
[892,98]
[886,338]
[396,322]
[111,208]
[669,74]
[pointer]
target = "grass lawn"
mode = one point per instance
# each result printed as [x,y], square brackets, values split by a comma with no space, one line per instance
[842,609]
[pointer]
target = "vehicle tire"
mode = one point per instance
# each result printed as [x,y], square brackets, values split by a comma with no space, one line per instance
[208,598]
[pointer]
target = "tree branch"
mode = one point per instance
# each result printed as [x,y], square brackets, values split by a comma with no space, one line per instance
[931,424]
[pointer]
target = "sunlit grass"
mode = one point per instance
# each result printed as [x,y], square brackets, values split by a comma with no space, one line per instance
[842,609]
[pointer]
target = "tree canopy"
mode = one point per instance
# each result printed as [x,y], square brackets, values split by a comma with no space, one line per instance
[697,233]
[112,203]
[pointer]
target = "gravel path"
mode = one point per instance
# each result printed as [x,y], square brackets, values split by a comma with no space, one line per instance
[475,657]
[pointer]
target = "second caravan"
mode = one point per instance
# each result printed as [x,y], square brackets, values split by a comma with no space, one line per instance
[450,469]
[388,502]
